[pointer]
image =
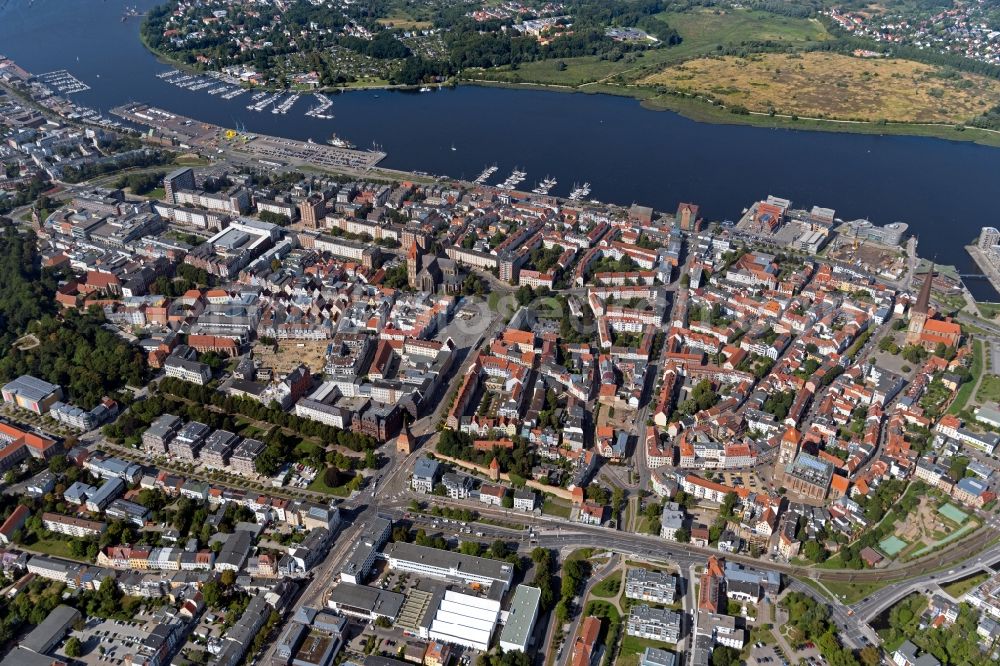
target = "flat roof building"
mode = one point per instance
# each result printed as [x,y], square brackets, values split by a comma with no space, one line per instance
[31,393]
[447,565]
[463,619]
[516,634]
[367,603]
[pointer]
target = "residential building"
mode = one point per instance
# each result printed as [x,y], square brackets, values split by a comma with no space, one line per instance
[242,459]
[77,527]
[524,500]
[425,475]
[647,585]
[458,486]
[658,624]
[189,440]
[160,432]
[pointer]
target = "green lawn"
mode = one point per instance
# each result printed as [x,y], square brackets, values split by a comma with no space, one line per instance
[708,27]
[609,587]
[306,449]
[988,310]
[965,391]
[602,609]
[989,389]
[556,507]
[56,546]
[959,587]
[849,593]
[319,486]
[632,648]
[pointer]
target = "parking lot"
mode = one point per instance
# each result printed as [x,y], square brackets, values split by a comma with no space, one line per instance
[765,655]
[117,638]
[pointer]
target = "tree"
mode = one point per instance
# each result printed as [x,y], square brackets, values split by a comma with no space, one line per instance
[728,502]
[814,551]
[562,611]
[725,656]
[227,577]
[72,647]
[683,535]
[870,656]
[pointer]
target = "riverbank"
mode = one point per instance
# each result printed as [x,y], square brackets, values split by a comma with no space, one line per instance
[703,111]
[691,107]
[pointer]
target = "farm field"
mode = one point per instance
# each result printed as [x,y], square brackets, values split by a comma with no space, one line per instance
[832,85]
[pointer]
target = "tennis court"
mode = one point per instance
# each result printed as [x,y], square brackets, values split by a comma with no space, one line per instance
[891,546]
[953,513]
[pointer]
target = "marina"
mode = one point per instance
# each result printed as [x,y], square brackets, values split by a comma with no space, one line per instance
[63,82]
[264,102]
[514,179]
[484,176]
[285,105]
[579,192]
[545,186]
[321,110]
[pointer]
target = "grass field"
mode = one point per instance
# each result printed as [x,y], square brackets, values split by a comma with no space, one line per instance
[319,486]
[632,648]
[959,587]
[56,546]
[700,30]
[705,28]
[965,392]
[988,310]
[989,389]
[556,507]
[609,587]
[852,592]
[832,85]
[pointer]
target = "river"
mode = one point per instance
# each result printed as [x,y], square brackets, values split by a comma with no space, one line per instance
[944,190]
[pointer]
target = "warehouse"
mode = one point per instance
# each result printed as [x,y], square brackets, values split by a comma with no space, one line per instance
[463,619]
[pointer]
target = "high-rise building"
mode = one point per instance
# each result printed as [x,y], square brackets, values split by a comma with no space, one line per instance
[313,210]
[687,216]
[181,179]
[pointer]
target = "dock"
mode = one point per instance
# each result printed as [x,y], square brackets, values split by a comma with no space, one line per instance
[991,272]
[272,150]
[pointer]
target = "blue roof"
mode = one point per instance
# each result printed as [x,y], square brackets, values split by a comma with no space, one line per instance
[972,485]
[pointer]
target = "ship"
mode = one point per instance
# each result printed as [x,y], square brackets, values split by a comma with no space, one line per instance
[338,142]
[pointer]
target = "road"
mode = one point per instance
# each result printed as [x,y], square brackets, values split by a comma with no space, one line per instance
[595,578]
[604,537]
[366,504]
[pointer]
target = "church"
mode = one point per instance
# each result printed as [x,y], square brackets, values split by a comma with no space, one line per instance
[431,273]
[924,329]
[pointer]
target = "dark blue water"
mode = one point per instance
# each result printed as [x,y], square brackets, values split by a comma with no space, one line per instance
[944,190]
